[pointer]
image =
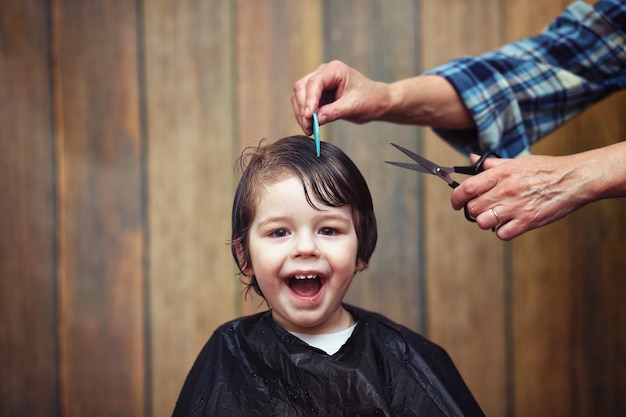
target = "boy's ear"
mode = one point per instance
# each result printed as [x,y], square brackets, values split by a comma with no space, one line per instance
[360,265]
[241,258]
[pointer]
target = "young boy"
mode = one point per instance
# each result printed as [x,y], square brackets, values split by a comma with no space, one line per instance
[302,227]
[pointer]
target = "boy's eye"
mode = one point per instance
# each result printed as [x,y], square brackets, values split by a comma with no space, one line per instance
[328,231]
[279,233]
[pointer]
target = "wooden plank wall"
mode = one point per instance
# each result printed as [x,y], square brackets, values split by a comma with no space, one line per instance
[464,268]
[119,126]
[29,368]
[382,41]
[567,279]
[189,79]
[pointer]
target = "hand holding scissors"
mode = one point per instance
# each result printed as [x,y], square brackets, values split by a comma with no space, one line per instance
[429,167]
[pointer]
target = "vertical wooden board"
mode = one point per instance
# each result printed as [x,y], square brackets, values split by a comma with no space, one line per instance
[541,327]
[380,41]
[191,136]
[527,18]
[465,266]
[100,226]
[28,348]
[541,269]
[277,42]
[569,318]
[597,285]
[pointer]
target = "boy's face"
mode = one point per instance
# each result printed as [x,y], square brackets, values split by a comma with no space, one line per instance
[303,259]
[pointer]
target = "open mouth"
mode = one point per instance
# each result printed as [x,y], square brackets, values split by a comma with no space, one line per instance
[305,285]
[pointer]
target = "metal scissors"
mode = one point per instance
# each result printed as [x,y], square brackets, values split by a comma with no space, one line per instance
[429,167]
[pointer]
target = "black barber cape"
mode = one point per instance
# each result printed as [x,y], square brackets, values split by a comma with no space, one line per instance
[253,367]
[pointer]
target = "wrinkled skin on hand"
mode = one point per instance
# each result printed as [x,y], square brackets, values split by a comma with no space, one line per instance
[527,192]
[337,91]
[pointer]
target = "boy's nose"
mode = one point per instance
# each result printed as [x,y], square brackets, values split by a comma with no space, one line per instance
[305,245]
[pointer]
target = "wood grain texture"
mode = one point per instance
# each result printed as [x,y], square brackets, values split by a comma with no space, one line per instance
[568,322]
[119,127]
[277,42]
[381,42]
[191,136]
[100,227]
[541,374]
[568,348]
[465,266]
[28,334]
[597,285]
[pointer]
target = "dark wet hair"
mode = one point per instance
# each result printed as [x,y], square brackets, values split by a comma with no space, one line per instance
[332,178]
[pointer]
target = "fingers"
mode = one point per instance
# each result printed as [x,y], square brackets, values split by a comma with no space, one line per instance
[307,97]
[479,184]
[471,188]
[483,197]
[492,218]
[304,92]
[305,123]
[509,230]
[501,220]
[314,90]
[514,196]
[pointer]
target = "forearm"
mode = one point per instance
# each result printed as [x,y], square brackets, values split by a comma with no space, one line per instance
[427,100]
[535,190]
[602,172]
[537,84]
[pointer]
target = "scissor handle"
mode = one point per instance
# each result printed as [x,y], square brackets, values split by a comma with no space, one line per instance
[473,169]
[476,167]
[468,216]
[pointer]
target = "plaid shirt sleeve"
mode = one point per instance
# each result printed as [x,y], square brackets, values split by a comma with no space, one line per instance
[526,89]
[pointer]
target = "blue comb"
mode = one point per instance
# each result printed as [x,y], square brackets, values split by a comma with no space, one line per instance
[316,134]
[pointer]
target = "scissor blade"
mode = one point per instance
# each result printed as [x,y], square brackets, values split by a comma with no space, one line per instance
[428,165]
[414,167]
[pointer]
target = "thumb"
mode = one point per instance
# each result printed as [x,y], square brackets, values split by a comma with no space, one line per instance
[330,112]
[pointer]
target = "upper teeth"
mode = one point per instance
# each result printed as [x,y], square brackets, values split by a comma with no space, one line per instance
[305,276]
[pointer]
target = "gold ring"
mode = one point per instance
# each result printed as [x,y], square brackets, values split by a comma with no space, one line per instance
[495,214]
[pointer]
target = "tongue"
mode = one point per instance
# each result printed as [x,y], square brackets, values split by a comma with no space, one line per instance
[305,287]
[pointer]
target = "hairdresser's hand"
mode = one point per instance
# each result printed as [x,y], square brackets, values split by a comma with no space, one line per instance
[337,91]
[533,191]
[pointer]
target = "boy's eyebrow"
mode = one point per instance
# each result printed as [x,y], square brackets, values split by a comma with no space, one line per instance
[272,219]
[323,214]
[335,216]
